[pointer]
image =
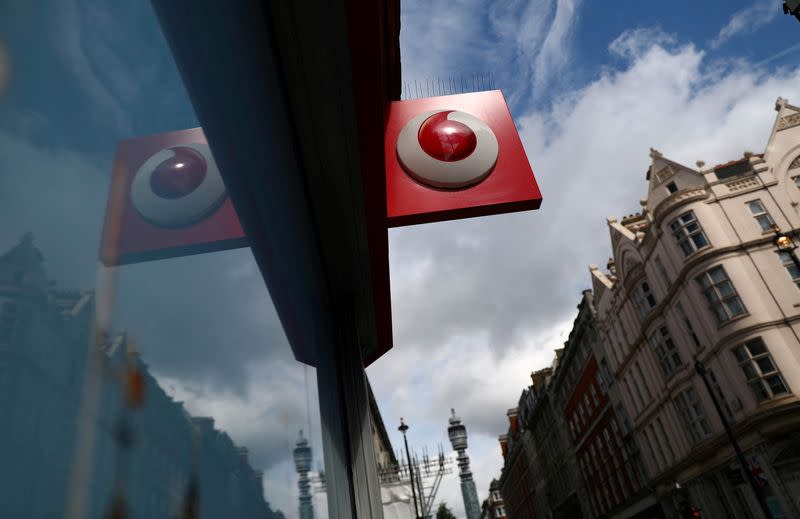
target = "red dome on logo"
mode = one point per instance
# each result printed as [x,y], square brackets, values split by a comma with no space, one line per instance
[180,174]
[445,139]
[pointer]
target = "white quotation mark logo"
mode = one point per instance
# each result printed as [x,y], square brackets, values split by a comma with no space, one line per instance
[178,186]
[447,149]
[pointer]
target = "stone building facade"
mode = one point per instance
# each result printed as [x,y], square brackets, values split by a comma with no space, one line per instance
[44,335]
[606,461]
[696,276]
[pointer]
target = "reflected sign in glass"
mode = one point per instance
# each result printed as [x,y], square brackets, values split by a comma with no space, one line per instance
[167,199]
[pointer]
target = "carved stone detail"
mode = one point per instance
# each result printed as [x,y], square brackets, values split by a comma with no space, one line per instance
[789,121]
[678,198]
[663,174]
[745,183]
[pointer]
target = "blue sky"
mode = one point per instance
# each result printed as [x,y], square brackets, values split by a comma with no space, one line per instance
[484,301]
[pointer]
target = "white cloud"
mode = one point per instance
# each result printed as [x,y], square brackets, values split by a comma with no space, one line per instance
[747,21]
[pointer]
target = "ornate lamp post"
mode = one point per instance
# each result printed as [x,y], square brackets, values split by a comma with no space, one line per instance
[786,244]
[458,438]
[403,428]
[700,368]
[302,463]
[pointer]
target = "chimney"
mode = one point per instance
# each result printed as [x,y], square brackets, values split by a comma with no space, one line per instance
[242,454]
[260,480]
[539,377]
[513,420]
[504,444]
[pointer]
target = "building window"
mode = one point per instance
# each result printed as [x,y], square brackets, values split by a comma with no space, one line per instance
[665,438]
[668,357]
[581,413]
[693,415]
[658,453]
[663,272]
[761,215]
[643,299]
[720,396]
[759,369]
[593,391]
[688,233]
[672,188]
[687,324]
[796,181]
[791,268]
[721,294]
[588,405]
[601,383]
[638,390]
[641,376]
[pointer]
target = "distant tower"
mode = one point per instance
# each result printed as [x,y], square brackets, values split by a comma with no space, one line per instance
[458,438]
[302,462]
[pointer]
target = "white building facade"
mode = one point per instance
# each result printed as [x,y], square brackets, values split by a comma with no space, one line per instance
[697,276]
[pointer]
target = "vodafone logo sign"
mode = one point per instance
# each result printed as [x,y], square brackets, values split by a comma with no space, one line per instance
[178,186]
[447,149]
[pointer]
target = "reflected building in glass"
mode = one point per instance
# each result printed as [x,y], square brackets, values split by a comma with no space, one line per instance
[43,353]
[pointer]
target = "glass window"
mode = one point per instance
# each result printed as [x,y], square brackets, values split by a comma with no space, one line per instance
[721,294]
[693,415]
[646,386]
[587,403]
[796,181]
[671,187]
[790,266]
[687,324]
[665,438]
[593,391]
[761,373]
[720,395]
[761,215]
[663,272]
[638,389]
[203,370]
[601,383]
[668,357]
[688,233]
[643,299]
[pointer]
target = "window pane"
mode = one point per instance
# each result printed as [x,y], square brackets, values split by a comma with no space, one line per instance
[203,380]
[699,240]
[717,274]
[759,391]
[776,385]
[725,289]
[749,371]
[756,347]
[734,307]
[765,365]
[756,207]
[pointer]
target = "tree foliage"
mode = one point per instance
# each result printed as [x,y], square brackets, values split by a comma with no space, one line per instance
[443,512]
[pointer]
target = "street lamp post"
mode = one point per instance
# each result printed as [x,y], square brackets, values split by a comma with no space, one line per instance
[403,428]
[700,368]
[786,244]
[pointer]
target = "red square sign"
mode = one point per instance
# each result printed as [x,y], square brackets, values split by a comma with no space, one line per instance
[453,157]
[167,199]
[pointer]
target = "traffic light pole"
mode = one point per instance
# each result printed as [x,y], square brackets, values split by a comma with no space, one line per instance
[762,501]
